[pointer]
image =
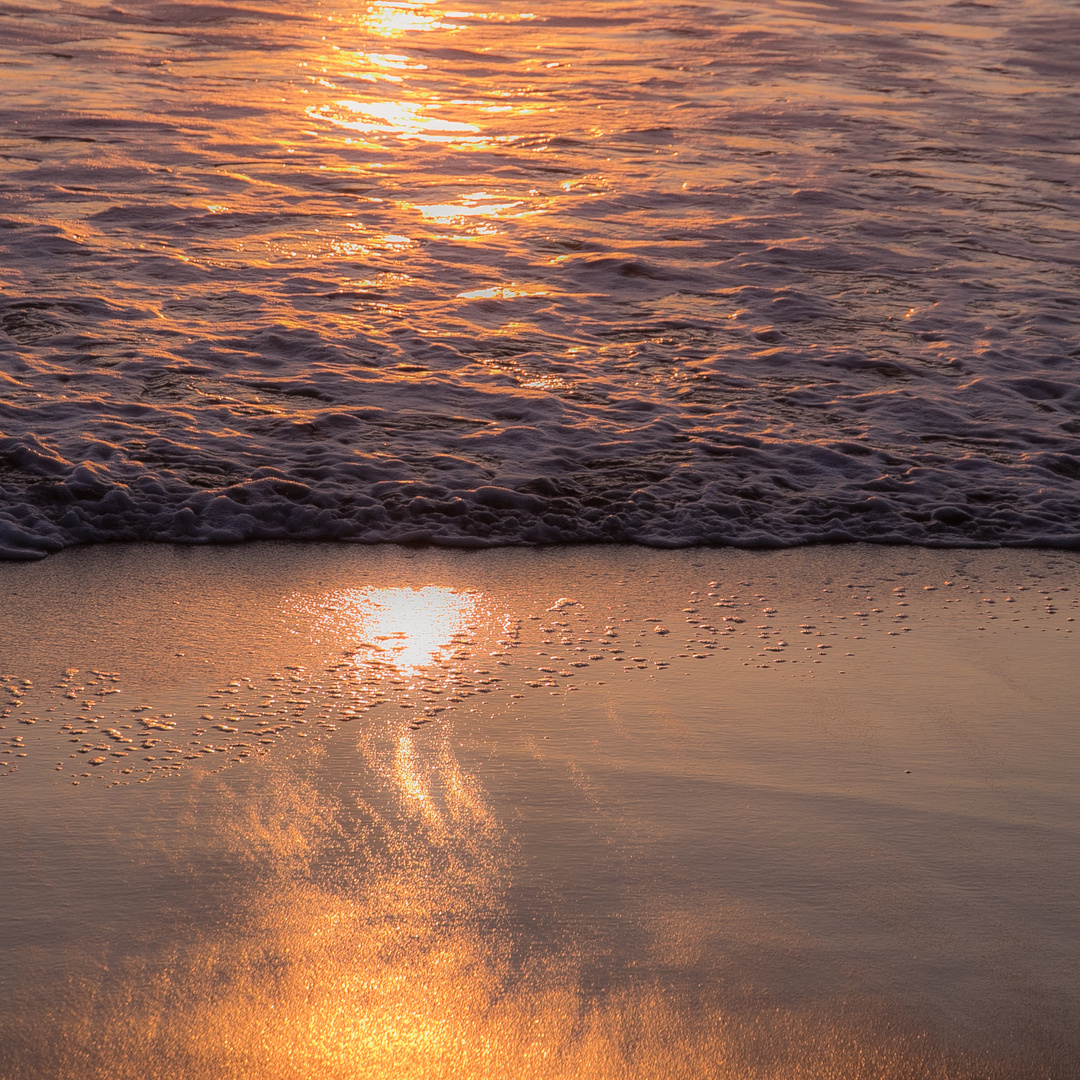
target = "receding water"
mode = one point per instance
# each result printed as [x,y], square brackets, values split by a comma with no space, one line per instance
[737,272]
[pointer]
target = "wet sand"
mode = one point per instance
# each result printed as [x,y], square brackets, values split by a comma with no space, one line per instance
[298,811]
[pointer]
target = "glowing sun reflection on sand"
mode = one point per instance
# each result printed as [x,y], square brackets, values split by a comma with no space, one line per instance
[408,628]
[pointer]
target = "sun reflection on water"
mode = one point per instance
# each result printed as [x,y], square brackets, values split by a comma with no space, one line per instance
[503,292]
[396,118]
[415,109]
[395,19]
[408,628]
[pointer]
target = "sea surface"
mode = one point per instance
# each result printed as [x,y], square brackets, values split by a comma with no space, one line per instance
[754,273]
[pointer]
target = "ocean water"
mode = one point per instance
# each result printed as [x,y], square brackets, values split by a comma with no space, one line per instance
[753,273]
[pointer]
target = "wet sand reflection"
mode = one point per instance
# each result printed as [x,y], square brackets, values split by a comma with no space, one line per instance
[708,820]
[374,941]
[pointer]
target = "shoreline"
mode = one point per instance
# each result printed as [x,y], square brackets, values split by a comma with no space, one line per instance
[424,541]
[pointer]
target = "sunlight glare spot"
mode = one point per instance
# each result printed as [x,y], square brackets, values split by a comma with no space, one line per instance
[479,204]
[500,292]
[395,118]
[410,628]
[390,60]
[396,19]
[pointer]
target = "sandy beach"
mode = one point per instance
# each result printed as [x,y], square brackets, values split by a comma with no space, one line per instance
[318,811]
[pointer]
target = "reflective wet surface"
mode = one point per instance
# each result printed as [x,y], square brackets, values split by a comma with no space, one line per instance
[766,815]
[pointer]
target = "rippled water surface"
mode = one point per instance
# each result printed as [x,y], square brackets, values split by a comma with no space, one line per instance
[736,272]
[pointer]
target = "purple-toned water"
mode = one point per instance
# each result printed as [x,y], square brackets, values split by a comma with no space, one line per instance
[747,273]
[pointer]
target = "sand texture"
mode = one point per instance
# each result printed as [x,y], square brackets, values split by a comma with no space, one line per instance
[284,811]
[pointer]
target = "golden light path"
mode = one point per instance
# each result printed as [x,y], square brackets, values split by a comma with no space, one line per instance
[417,112]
